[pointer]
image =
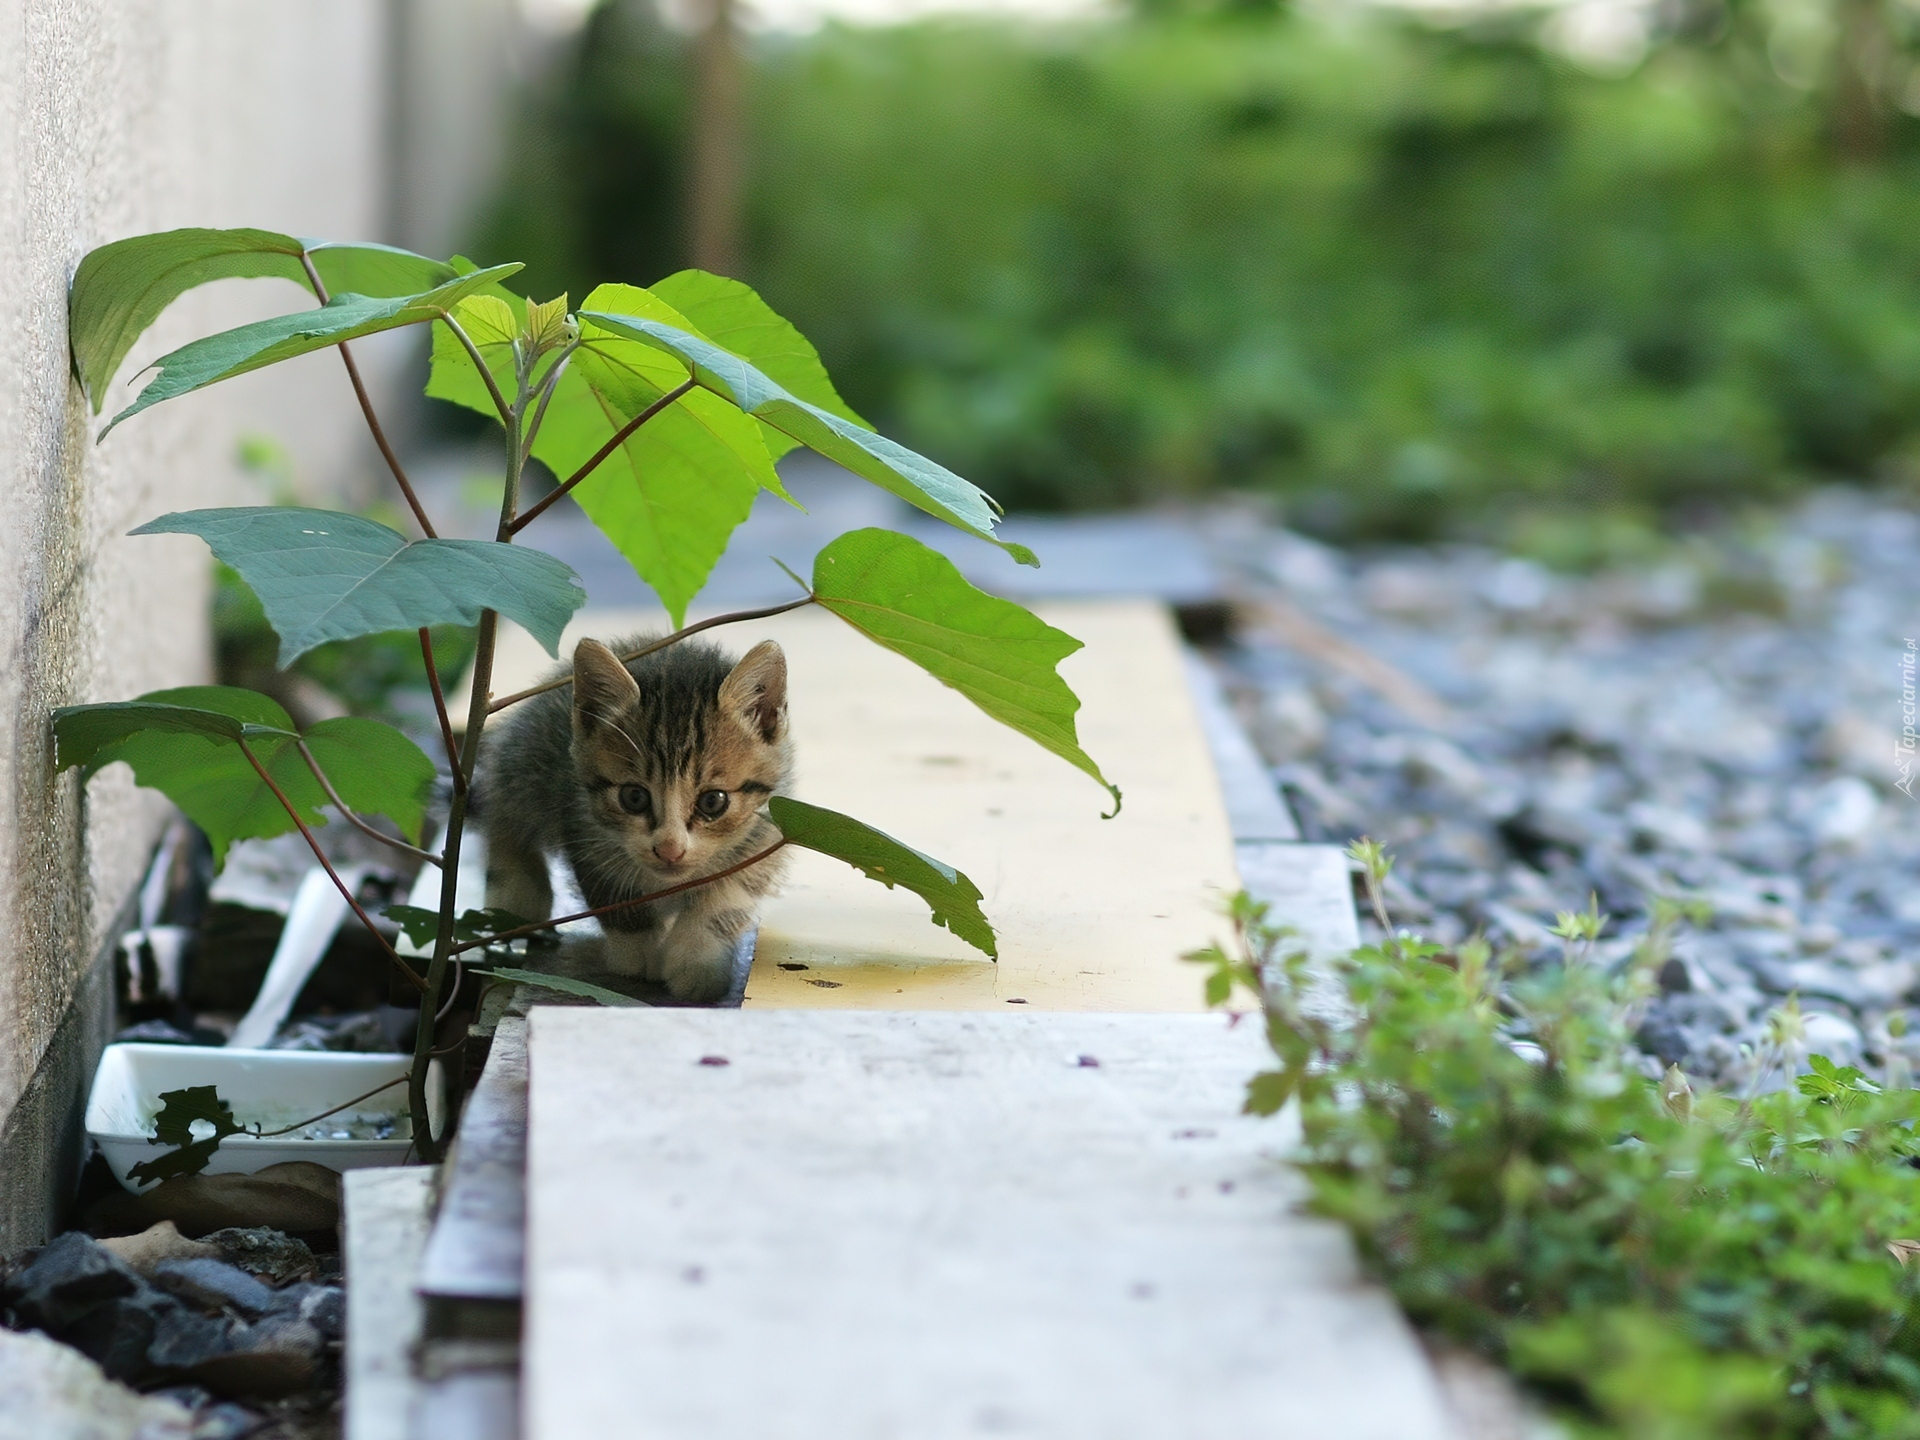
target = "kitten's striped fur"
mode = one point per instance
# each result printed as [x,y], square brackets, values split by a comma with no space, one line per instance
[566,772]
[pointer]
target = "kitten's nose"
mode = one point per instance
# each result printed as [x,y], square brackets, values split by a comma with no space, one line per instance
[671,849]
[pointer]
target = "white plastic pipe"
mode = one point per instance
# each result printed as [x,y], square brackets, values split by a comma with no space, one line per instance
[318,910]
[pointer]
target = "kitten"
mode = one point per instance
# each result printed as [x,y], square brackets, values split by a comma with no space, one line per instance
[645,775]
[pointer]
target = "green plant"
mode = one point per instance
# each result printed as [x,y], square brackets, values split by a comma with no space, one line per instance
[1653,1261]
[665,409]
[1409,273]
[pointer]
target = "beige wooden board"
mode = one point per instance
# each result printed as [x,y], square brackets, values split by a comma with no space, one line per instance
[913,1226]
[1092,914]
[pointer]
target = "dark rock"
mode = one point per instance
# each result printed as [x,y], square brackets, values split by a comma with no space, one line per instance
[1674,979]
[1664,1037]
[214,1285]
[273,1255]
[183,1338]
[71,1276]
[116,1335]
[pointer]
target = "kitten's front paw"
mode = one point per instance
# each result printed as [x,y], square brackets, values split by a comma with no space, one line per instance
[701,984]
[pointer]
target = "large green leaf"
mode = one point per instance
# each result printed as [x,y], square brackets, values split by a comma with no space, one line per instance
[120,289]
[912,600]
[914,478]
[953,898]
[267,342]
[322,575]
[734,317]
[674,491]
[186,744]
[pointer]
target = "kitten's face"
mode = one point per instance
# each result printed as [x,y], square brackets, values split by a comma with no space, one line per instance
[674,770]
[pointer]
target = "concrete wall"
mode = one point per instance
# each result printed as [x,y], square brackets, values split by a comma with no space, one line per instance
[119,117]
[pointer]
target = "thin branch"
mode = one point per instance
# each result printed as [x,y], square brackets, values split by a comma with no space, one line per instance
[677,636]
[301,1124]
[547,387]
[440,709]
[480,364]
[332,874]
[593,462]
[373,420]
[453,993]
[506,935]
[346,811]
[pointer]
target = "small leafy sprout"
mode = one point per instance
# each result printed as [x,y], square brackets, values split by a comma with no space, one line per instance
[1375,865]
[180,1112]
[1579,926]
[421,925]
[548,327]
[1676,1093]
[1840,1086]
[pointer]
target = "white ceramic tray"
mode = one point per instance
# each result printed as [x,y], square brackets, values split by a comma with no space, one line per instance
[268,1088]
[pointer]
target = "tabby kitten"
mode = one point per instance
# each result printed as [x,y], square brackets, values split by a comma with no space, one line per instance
[645,775]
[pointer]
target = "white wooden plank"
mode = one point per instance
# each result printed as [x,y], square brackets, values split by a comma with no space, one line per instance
[1255,809]
[1308,887]
[384,1219]
[923,1225]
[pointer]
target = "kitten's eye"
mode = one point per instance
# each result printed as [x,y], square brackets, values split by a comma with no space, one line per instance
[712,804]
[635,800]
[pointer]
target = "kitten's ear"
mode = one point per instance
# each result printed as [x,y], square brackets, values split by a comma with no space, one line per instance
[756,691]
[602,689]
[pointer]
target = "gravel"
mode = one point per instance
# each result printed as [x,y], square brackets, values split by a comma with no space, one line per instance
[1721,723]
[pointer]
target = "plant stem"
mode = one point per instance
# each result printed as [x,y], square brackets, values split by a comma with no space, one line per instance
[593,462]
[432,1147]
[327,865]
[366,409]
[300,1124]
[547,387]
[648,649]
[558,920]
[480,364]
[346,811]
[440,709]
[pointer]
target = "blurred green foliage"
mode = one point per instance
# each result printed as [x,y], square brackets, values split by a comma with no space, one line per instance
[1410,276]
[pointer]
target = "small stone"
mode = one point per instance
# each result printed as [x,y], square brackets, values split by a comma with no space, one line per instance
[51,1392]
[1668,828]
[71,1276]
[274,1256]
[214,1285]
[1840,812]
[321,1306]
[1837,1039]
[225,1421]
[1289,725]
[183,1339]
[278,1356]
[1516,586]
[156,1243]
